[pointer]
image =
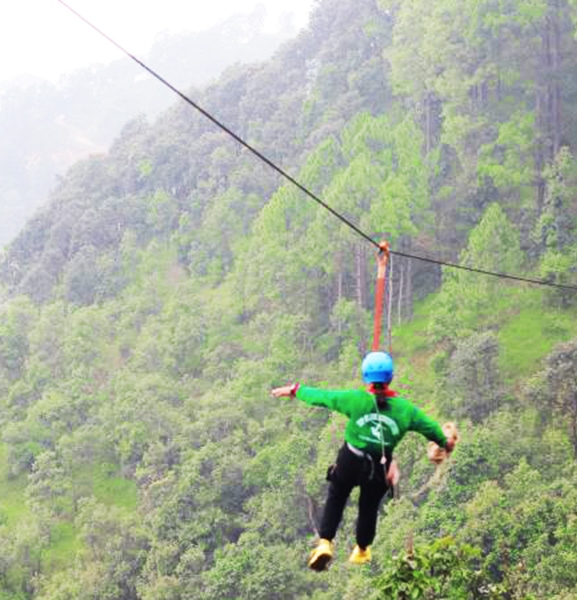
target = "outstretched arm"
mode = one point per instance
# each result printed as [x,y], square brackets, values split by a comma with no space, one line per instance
[340,400]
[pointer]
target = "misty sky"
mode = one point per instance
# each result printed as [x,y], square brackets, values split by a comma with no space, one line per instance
[42,38]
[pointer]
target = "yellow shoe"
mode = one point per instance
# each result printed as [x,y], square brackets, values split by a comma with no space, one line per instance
[321,556]
[359,556]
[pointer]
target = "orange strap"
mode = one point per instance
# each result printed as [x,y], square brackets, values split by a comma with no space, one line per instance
[382,259]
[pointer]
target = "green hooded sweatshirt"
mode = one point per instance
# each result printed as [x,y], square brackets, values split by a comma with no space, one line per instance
[367,423]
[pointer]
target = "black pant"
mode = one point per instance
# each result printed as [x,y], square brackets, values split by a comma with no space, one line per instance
[352,470]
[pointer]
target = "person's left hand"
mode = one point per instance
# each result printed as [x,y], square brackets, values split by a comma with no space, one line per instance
[284,391]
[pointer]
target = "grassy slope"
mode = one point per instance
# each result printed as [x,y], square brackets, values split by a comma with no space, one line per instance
[12,508]
[530,334]
[527,327]
[107,487]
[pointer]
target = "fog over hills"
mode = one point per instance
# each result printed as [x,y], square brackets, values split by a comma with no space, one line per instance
[46,127]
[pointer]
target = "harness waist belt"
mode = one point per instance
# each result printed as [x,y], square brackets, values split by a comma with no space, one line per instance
[358,452]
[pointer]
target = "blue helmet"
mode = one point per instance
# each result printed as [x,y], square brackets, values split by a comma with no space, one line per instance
[377,367]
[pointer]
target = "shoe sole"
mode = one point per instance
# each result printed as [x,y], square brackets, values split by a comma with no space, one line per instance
[359,563]
[321,562]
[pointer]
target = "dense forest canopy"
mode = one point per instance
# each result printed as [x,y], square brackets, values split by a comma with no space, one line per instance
[172,281]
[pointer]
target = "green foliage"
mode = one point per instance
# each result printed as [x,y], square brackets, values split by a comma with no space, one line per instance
[528,528]
[48,487]
[64,546]
[554,231]
[473,378]
[443,569]
[12,507]
[243,571]
[557,387]
[14,326]
[112,554]
[530,334]
[170,283]
[493,246]
[112,490]
[507,159]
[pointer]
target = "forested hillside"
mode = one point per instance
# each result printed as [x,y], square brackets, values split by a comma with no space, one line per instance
[172,282]
[45,127]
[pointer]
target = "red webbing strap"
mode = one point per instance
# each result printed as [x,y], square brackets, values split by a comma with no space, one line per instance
[382,259]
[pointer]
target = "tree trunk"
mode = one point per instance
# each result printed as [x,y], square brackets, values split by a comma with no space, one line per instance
[574,423]
[543,153]
[360,276]
[539,182]
[401,290]
[428,124]
[409,290]
[556,88]
[550,105]
[340,278]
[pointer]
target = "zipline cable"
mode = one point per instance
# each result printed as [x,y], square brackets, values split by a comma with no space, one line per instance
[296,183]
[485,272]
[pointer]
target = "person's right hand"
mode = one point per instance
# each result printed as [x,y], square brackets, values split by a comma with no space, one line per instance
[393,474]
[452,434]
[435,453]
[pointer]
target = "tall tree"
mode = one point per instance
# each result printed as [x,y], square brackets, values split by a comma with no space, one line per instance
[493,246]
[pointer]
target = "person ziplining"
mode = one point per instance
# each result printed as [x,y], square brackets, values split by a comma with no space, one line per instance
[378,420]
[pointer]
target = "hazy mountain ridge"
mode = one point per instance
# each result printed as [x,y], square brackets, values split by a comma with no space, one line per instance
[262,103]
[45,127]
